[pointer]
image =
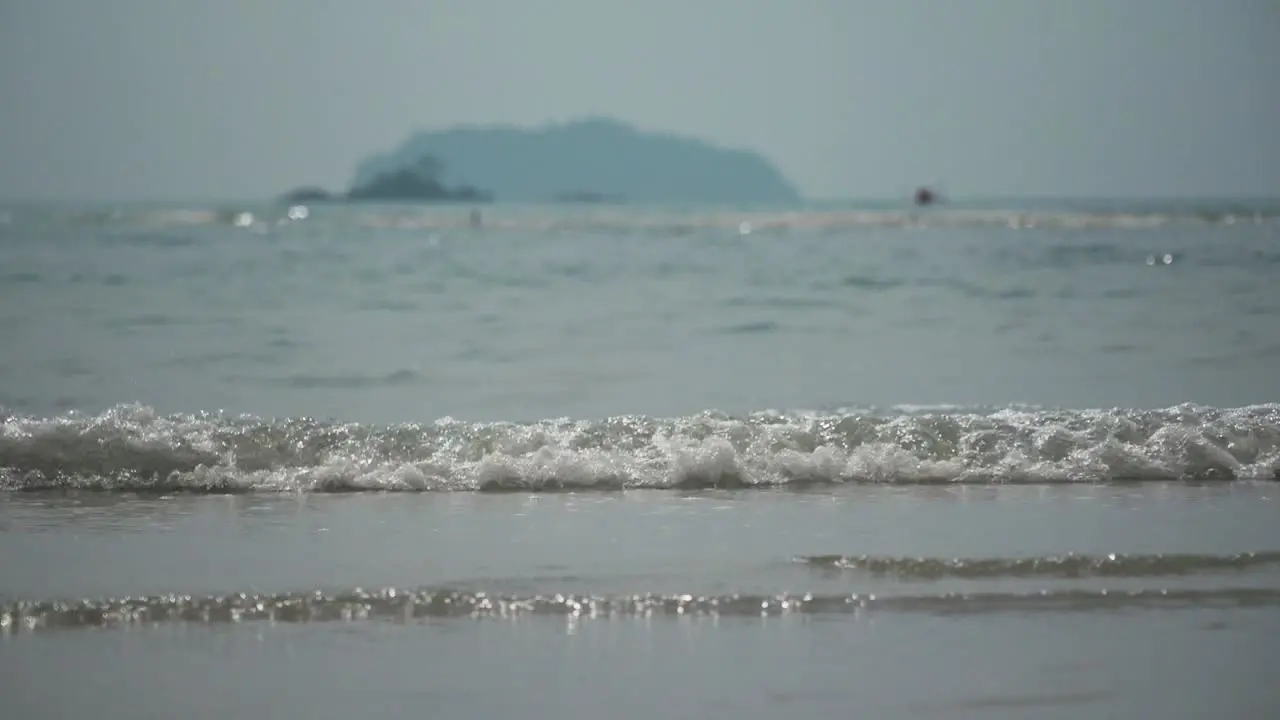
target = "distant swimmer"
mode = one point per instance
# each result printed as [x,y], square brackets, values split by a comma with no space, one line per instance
[475,218]
[924,196]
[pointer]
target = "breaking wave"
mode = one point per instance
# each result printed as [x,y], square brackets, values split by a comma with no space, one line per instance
[409,604]
[132,448]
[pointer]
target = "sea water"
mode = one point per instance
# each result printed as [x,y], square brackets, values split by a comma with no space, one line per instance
[636,461]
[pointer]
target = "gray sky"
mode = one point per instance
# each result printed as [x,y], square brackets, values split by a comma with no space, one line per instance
[156,99]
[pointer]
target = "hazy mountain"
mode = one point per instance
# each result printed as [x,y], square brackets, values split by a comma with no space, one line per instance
[588,158]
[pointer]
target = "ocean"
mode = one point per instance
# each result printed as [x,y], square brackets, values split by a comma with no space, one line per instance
[1013,459]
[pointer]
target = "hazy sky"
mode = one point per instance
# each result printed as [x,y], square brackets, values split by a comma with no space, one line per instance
[195,99]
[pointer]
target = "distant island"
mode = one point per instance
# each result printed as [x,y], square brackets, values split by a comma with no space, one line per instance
[592,160]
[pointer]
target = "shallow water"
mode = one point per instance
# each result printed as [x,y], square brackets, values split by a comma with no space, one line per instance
[700,542]
[631,461]
[1168,664]
[1056,601]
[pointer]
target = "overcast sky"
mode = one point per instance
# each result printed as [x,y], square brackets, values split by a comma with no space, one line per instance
[219,99]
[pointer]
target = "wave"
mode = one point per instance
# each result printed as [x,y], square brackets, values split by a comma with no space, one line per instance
[672,221]
[409,604]
[132,448]
[1060,566]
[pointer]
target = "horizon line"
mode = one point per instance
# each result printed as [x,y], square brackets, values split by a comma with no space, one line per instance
[804,200]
